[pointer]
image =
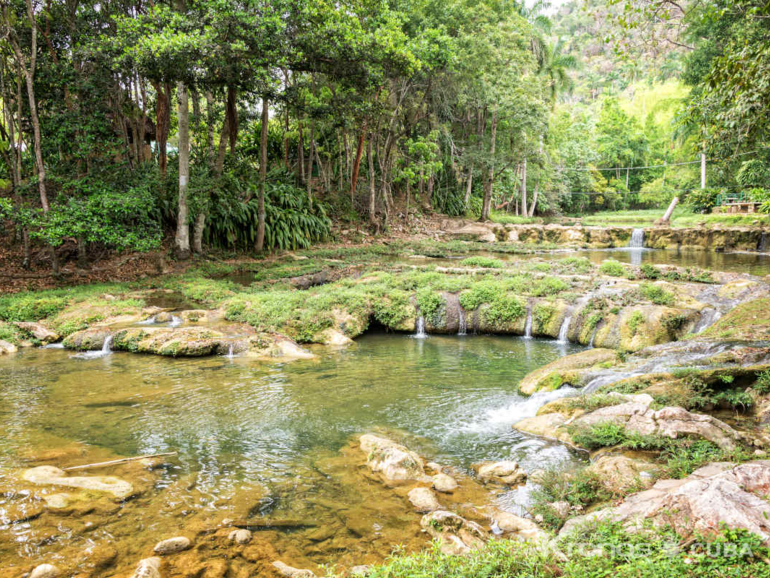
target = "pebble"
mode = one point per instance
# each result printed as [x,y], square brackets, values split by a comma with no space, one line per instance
[172,545]
[444,483]
[45,571]
[240,536]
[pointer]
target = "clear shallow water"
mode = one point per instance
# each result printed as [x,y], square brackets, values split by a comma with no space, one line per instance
[274,440]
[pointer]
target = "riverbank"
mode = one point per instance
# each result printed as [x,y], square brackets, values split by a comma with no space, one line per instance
[584,381]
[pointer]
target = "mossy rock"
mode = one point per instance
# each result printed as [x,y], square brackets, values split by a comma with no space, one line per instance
[566,370]
[182,342]
[749,321]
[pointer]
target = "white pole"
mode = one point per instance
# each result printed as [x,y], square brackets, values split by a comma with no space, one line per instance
[703,170]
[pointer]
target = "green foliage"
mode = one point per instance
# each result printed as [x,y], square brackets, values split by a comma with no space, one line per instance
[656,294]
[649,271]
[703,200]
[635,321]
[479,261]
[579,488]
[30,306]
[430,304]
[762,384]
[549,286]
[504,309]
[612,268]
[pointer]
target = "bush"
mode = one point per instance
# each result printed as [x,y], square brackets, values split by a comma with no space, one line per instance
[656,294]
[612,268]
[30,307]
[504,309]
[480,261]
[649,271]
[703,200]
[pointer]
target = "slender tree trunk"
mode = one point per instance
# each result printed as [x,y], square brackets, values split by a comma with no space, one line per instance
[232,115]
[372,184]
[210,121]
[468,188]
[301,155]
[534,201]
[310,162]
[357,164]
[260,244]
[162,112]
[524,188]
[486,205]
[198,229]
[182,241]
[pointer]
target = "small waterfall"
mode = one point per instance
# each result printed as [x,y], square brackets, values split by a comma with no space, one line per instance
[103,352]
[148,321]
[637,239]
[528,326]
[420,328]
[53,346]
[762,245]
[230,352]
[708,317]
[462,328]
[175,321]
[564,330]
[107,346]
[593,336]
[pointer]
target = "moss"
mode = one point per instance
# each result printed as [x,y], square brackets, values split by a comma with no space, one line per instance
[479,261]
[612,268]
[431,304]
[542,315]
[504,309]
[749,321]
[634,321]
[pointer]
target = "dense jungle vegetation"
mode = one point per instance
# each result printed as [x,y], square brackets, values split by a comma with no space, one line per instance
[256,125]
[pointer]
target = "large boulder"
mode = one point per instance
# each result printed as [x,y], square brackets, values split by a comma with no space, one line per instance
[6,347]
[570,369]
[716,494]
[476,232]
[274,347]
[51,476]
[516,526]
[671,422]
[173,342]
[90,339]
[38,331]
[455,534]
[619,474]
[391,460]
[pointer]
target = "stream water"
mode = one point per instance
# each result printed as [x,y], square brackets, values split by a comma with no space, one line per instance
[271,435]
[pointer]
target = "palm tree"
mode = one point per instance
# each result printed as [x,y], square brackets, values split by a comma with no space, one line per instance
[555,66]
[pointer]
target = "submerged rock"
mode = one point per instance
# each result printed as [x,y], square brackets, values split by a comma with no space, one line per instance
[444,483]
[49,475]
[276,347]
[566,370]
[289,572]
[392,460]
[148,568]
[240,536]
[505,472]
[455,534]
[45,571]
[716,494]
[424,500]
[172,545]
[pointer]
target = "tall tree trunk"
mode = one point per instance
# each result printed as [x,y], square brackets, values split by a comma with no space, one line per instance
[162,113]
[534,201]
[357,164]
[182,241]
[198,229]
[468,188]
[486,205]
[311,152]
[260,244]
[372,184]
[210,121]
[524,188]
[232,115]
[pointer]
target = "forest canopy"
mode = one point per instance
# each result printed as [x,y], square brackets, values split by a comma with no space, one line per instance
[255,125]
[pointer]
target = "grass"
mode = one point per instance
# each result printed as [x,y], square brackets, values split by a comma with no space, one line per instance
[682,217]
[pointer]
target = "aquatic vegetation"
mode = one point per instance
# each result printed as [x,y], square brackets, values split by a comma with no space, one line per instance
[612,268]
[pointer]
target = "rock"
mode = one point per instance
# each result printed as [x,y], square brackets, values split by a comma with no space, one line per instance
[289,572]
[49,475]
[6,347]
[392,460]
[333,337]
[547,425]
[669,421]
[512,524]
[172,545]
[716,494]
[90,339]
[474,232]
[619,474]
[423,500]
[57,501]
[455,534]
[561,509]
[172,342]
[276,347]
[240,536]
[38,331]
[361,570]
[444,483]
[505,472]
[45,571]
[148,568]
[566,370]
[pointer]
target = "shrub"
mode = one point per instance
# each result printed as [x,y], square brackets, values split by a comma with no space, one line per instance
[30,306]
[480,261]
[656,294]
[430,303]
[635,321]
[650,271]
[504,309]
[549,286]
[612,268]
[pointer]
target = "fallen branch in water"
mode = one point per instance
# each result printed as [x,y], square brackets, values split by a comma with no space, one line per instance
[267,523]
[116,462]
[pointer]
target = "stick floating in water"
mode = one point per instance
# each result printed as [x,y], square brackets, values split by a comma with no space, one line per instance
[116,462]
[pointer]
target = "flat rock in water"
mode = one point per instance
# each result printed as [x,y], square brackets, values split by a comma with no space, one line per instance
[289,572]
[49,475]
[392,460]
[424,500]
[172,545]
[240,536]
